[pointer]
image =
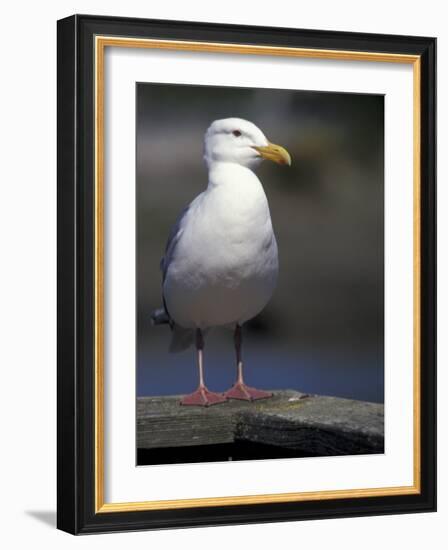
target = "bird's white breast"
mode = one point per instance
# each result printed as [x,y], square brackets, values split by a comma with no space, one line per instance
[224,268]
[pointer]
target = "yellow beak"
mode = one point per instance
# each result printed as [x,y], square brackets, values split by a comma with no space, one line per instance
[276,153]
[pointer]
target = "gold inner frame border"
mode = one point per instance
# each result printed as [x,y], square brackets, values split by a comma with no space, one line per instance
[100,44]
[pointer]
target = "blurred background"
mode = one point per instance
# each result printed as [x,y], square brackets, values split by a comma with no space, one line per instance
[322,332]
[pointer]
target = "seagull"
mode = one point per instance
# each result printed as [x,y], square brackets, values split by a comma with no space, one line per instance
[220,265]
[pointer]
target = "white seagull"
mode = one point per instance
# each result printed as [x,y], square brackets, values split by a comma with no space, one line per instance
[221,264]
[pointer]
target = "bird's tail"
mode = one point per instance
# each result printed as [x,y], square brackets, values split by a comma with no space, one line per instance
[181,338]
[160,317]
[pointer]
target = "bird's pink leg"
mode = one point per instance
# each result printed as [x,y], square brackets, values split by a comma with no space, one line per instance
[239,390]
[202,397]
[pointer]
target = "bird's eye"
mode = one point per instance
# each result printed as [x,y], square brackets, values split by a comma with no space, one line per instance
[236,133]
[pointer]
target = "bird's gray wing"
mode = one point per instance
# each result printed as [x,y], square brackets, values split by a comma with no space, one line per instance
[173,238]
[181,338]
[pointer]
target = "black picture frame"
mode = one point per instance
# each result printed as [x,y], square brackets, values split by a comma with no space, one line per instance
[76,480]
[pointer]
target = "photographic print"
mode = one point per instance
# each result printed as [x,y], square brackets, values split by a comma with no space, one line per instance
[260,273]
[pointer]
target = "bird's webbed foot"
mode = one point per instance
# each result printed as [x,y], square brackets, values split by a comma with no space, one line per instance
[240,391]
[203,397]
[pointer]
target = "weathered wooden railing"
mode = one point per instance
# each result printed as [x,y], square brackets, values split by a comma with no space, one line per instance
[309,425]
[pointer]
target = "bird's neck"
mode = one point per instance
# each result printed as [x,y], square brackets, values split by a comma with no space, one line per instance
[230,174]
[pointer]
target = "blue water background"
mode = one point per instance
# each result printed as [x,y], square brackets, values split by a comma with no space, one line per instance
[354,374]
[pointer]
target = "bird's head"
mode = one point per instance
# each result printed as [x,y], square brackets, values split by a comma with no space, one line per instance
[241,142]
